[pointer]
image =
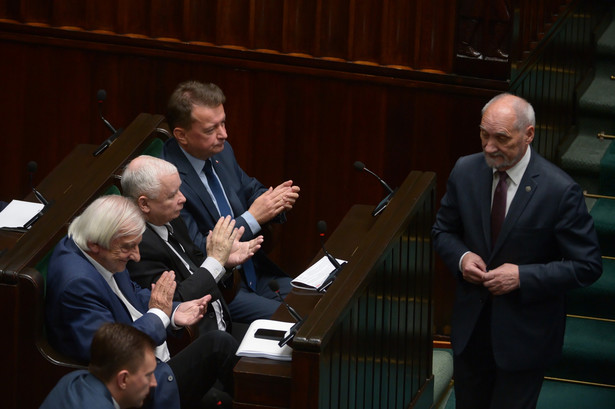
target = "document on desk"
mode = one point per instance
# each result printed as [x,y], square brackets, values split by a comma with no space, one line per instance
[263,347]
[18,213]
[315,275]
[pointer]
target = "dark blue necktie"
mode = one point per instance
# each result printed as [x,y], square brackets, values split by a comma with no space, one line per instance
[225,210]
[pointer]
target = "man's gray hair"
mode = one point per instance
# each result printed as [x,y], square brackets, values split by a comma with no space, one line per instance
[142,176]
[523,110]
[106,219]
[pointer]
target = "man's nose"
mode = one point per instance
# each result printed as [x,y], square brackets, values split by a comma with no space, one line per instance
[135,255]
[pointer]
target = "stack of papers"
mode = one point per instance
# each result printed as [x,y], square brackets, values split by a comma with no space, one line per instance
[314,276]
[18,213]
[265,348]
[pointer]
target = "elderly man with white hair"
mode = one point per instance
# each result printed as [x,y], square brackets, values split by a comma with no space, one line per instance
[88,285]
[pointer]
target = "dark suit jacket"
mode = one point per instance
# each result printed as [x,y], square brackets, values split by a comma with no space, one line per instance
[157,257]
[78,390]
[200,213]
[79,301]
[548,232]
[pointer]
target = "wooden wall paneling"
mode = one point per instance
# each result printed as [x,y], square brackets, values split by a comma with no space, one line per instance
[166,19]
[9,9]
[133,18]
[299,30]
[13,96]
[199,22]
[398,34]
[267,23]
[68,13]
[100,15]
[35,11]
[435,35]
[233,23]
[366,33]
[333,29]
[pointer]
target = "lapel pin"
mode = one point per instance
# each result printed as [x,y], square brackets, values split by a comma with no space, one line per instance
[528,188]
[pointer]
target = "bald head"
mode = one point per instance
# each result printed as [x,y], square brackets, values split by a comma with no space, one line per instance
[506,130]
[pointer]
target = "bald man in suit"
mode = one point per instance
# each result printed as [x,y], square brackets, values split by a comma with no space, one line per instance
[513,261]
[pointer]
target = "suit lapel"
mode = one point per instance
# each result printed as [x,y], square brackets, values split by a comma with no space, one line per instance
[191,183]
[179,267]
[486,177]
[525,191]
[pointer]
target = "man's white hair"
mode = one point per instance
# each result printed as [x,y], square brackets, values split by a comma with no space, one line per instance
[142,176]
[106,219]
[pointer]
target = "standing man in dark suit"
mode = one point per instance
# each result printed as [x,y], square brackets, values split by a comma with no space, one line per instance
[215,185]
[88,285]
[513,260]
[154,185]
[120,373]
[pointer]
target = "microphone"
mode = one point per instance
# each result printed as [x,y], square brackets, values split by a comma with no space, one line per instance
[275,287]
[322,228]
[32,168]
[101,95]
[384,202]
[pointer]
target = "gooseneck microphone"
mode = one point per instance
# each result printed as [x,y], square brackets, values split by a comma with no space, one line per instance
[275,287]
[384,202]
[101,95]
[32,168]
[322,228]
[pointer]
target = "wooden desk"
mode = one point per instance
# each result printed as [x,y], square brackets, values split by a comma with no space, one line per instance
[367,341]
[30,367]
[72,185]
[256,378]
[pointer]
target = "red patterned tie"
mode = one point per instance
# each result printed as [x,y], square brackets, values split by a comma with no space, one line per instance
[498,209]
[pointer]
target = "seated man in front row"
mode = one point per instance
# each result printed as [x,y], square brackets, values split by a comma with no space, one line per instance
[154,186]
[88,285]
[120,373]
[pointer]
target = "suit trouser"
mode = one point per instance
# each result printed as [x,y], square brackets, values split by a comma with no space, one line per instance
[209,358]
[249,305]
[481,384]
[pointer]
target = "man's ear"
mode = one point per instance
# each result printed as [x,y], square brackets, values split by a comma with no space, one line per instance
[143,203]
[529,134]
[121,379]
[180,135]
[94,247]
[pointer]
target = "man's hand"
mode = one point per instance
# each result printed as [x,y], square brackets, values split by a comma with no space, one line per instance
[243,250]
[274,201]
[190,312]
[162,293]
[221,239]
[503,279]
[473,268]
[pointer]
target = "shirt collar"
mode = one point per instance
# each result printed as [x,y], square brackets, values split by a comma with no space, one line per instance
[107,275]
[196,163]
[162,231]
